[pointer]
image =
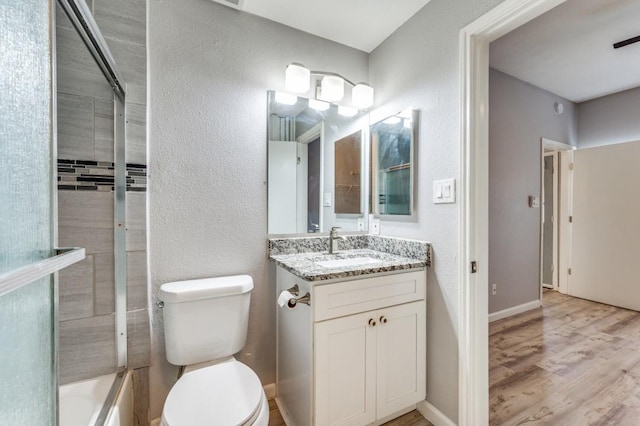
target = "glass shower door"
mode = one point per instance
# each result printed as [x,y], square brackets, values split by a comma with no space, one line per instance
[27,257]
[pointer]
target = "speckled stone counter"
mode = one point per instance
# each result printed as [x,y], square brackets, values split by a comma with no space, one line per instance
[299,255]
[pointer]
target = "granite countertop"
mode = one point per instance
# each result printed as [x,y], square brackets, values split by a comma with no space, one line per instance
[305,266]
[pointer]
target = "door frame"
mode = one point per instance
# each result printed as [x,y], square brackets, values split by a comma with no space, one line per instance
[563,210]
[473,213]
[306,138]
[554,220]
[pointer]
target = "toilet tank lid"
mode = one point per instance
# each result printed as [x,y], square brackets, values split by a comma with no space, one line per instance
[205,288]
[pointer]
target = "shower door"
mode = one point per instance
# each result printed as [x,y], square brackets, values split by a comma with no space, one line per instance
[28,260]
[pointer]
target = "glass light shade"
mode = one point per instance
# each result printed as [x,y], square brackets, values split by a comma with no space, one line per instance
[347,111]
[332,88]
[297,78]
[318,105]
[286,98]
[362,95]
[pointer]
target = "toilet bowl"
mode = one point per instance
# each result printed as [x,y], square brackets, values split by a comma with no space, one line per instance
[205,323]
[229,393]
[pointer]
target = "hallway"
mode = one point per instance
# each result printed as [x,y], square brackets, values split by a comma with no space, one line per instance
[573,362]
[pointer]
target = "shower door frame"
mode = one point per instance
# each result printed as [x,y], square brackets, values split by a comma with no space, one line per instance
[82,19]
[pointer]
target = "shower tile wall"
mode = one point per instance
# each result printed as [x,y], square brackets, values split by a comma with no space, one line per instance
[85,195]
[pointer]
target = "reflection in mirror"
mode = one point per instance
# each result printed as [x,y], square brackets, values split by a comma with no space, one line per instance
[347,173]
[393,144]
[302,194]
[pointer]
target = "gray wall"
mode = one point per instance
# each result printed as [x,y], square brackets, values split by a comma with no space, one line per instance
[609,119]
[519,115]
[418,66]
[85,132]
[210,68]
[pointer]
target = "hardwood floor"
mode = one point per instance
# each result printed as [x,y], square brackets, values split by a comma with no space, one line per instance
[573,362]
[410,419]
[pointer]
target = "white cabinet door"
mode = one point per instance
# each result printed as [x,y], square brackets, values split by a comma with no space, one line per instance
[401,359]
[345,371]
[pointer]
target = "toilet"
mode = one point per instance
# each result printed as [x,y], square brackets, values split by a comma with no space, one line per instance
[205,324]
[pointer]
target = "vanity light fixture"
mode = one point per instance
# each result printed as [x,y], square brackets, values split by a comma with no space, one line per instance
[298,80]
[347,111]
[286,98]
[319,105]
[362,95]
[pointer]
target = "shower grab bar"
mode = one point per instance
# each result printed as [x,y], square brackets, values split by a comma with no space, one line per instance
[18,278]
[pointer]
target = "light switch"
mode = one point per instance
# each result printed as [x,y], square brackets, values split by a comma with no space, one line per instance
[327,199]
[444,191]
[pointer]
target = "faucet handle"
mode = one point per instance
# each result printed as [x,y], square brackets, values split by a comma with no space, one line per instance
[335,228]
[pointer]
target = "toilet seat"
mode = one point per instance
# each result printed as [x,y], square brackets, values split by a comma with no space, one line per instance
[229,393]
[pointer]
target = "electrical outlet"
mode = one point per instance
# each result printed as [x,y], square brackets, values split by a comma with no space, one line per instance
[494,289]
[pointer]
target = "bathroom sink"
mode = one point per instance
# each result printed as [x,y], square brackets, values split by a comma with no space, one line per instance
[341,263]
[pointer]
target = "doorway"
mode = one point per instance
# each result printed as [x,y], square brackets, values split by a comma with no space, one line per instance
[549,222]
[474,207]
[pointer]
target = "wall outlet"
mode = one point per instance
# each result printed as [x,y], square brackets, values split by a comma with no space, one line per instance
[494,289]
[374,227]
[360,224]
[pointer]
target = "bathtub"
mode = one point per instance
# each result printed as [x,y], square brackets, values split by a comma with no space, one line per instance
[82,402]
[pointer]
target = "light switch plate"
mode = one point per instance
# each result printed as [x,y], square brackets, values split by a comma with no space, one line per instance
[444,191]
[374,229]
[327,199]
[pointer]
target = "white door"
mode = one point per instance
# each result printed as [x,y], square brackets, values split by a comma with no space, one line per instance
[606,226]
[345,373]
[401,370]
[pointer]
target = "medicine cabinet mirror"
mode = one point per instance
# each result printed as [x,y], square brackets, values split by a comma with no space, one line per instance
[394,142]
[315,166]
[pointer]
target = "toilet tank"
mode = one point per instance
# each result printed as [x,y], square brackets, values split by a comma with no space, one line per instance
[205,319]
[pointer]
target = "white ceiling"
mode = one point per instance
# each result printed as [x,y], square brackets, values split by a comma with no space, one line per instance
[568,51]
[361,24]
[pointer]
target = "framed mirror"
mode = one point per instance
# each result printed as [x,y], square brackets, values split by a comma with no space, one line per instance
[311,146]
[394,143]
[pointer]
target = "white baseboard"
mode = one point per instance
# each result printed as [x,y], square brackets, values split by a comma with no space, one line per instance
[434,415]
[270,390]
[505,313]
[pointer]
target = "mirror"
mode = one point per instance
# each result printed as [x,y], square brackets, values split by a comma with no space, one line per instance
[315,159]
[393,145]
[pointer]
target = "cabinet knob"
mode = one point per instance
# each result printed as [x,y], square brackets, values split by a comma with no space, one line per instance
[372,322]
[383,319]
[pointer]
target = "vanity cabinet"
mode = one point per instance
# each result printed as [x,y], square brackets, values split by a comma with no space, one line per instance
[357,355]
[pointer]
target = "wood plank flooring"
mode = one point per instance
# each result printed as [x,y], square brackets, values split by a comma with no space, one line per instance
[410,419]
[573,362]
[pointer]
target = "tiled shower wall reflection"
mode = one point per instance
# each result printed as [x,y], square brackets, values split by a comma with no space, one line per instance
[85,195]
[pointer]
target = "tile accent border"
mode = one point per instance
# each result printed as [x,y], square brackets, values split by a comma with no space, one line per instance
[415,249]
[85,175]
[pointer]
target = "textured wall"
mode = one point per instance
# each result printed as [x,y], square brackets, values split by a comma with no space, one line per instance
[418,66]
[210,68]
[609,119]
[519,115]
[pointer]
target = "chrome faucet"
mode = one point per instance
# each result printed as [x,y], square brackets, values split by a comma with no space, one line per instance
[333,235]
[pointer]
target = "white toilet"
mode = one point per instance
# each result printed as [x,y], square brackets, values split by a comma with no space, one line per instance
[205,323]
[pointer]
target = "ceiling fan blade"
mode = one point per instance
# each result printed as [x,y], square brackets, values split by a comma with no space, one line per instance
[626,42]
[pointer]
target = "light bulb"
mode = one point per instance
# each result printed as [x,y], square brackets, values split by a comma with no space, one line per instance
[347,111]
[332,88]
[297,78]
[362,95]
[286,98]
[318,105]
